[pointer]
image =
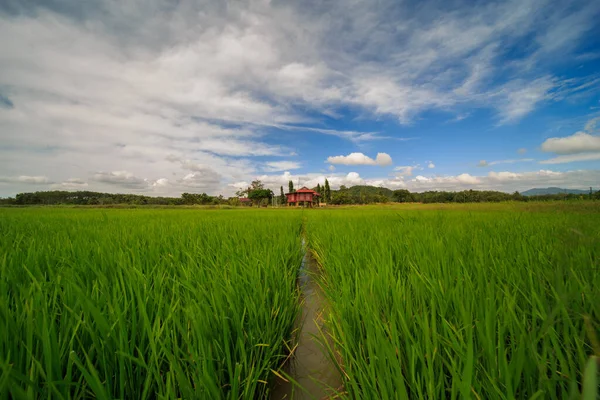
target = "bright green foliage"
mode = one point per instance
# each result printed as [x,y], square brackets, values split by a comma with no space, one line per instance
[282,198]
[437,302]
[469,302]
[145,304]
[260,195]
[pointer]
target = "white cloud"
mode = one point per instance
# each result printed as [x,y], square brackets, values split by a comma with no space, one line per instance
[204,173]
[484,163]
[431,165]
[513,161]
[579,142]
[236,147]
[274,166]
[405,170]
[162,182]
[581,146]
[503,176]
[592,125]
[123,179]
[467,179]
[382,159]
[71,184]
[572,158]
[331,168]
[354,136]
[25,179]
[443,181]
[460,117]
[522,150]
[206,180]
[193,166]
[518,98]
[172,158]
[506,181]
[353,178]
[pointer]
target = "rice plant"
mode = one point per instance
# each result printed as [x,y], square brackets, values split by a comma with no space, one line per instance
[145,304]
[465,302]
[480,301]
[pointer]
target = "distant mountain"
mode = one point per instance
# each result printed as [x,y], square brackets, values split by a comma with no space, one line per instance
[552,190]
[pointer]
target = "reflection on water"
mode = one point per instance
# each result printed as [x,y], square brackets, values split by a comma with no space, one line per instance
[310,366]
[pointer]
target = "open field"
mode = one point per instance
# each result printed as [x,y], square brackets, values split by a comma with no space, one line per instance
[463,302]
[484,301]
[137,304]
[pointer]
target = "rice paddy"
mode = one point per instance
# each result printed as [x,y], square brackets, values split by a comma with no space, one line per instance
[469,301]
[463,302]
[145,304]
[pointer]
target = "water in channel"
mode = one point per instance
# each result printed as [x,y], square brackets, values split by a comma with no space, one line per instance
[311,367]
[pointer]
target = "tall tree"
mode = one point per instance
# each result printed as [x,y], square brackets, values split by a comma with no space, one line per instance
[257,185]
[401,196]
[291,187]
[282,199]
[320,192]
[327,192]
[259,196]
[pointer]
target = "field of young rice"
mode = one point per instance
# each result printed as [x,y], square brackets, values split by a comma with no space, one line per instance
[145,304]
[423,302]
[478,302]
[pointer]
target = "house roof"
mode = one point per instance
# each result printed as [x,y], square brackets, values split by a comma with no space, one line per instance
[304,189]
[244,199]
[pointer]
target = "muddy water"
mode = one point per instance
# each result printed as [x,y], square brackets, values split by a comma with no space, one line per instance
[310,367]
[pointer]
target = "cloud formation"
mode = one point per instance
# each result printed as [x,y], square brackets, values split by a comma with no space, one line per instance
[274,166]
[25,179]
[122,179]
[405,170]
[581,146]
[484,163]
[119,86]
[462,179]
[382,159]
[572,158]
[579,142]
[71,184]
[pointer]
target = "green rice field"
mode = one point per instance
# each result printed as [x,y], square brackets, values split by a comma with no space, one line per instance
[477,301]
[144,304]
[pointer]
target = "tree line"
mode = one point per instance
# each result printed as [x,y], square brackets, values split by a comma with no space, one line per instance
[260,196]
[371,194]
[59,197]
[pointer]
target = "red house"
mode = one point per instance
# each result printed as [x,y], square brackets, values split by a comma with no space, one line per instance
[303,195]
[245,201]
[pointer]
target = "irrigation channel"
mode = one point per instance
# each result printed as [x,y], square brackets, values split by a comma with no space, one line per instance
[312,372]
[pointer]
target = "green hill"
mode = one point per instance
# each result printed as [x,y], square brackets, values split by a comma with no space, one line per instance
[369,191]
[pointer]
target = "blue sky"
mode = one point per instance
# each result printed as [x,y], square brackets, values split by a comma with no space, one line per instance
[164,97]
